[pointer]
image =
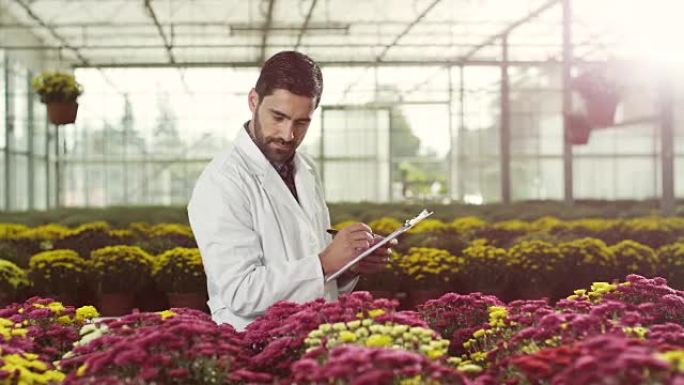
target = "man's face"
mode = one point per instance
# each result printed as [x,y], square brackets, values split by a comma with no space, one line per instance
[280,122]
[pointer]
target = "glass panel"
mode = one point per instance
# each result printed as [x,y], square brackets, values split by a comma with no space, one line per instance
[355,142]
[2,181]
[3,114]
[19,182]
[40,184]
[20,97]
[536,178]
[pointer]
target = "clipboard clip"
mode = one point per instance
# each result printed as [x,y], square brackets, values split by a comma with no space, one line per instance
[409,223]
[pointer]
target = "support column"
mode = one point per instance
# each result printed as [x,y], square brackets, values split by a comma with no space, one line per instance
[505,134]
[667,203]
[567,102]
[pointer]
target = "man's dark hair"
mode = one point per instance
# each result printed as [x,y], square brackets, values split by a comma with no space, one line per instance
[292,71]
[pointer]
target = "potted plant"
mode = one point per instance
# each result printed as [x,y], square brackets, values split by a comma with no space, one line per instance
[484,270]
[180,274]
[59,91]
[58,274]
[427,273]
[119,272]
[600,96]
[535,268]
[13,282]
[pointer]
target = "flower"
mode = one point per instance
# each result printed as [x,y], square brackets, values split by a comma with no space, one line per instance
[385,225]
[85,313]
[61,272]
[121,269]
[534,264]
[277,338]
[485,269]
[428,267]
[12,279]
[56,86]
[371,333]
[457,316]
[180,270]
[349,364]
[633,257]
[187,348]
[18,367]
[43,326]
[671,263]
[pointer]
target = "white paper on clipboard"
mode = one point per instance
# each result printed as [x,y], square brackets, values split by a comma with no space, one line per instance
[408,224]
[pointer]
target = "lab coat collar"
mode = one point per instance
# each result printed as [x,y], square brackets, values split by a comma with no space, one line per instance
[257,160]
[305,178]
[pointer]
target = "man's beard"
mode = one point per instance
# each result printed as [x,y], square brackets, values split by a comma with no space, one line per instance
[272,154]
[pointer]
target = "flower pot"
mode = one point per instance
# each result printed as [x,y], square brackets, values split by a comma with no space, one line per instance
[579,129]
[533,291]
[601,111]
[6,299]
[420,296]
[197,301]
[115,304]
[66,299]
[63,112]
[383,294]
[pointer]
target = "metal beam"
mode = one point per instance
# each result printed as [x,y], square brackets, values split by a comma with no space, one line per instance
[330,25]
[505,137]
[568,190]
[460,166]
[9,129]
[247,45]
[340,63]
[52,32]
[667,203]
[305,26]
[267,28]
[492,39]
[160,30]
[407,30]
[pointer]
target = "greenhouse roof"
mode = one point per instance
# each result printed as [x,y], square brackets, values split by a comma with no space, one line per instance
[230,32]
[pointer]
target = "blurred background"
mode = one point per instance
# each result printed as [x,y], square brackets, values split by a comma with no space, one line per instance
[425,101]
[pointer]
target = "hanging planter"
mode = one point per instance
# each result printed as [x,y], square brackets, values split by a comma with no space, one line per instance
[578,130]
[600,97]
[59,91]
[62,112]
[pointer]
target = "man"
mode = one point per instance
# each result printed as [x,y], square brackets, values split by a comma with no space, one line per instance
[258,211]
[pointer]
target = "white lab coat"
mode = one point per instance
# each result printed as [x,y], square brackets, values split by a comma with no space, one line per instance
[259,245]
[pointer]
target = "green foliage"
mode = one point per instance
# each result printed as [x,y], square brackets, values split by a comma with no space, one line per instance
[56,87]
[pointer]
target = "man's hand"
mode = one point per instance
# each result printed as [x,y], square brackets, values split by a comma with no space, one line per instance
[347,244]
[376,262]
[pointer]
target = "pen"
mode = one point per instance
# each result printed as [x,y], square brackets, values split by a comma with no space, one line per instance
[333,232]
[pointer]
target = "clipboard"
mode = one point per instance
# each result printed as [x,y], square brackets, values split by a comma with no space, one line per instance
[408,224]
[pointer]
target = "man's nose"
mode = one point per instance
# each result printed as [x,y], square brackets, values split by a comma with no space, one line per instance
[287,133]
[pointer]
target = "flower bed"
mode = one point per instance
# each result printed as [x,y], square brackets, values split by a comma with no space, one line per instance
[629,332]
[511,259]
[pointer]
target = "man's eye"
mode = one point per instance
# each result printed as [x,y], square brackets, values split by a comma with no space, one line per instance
[279,118]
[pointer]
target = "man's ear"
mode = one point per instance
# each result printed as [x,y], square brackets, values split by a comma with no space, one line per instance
[253,100]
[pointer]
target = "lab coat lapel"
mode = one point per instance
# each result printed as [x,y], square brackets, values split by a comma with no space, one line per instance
[271,180]
[305,181]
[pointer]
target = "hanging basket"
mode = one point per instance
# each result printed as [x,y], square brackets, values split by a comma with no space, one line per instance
[62,112]
[578,130]
[601,111]
[600,96]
